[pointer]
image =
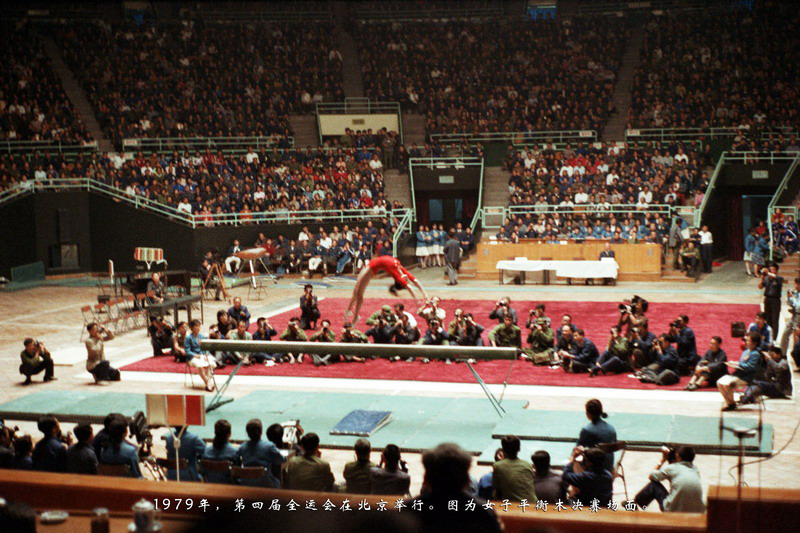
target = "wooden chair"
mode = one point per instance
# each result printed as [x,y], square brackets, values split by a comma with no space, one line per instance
[247,472]
[619,469]
[114,470]
[223,467]
[163,464]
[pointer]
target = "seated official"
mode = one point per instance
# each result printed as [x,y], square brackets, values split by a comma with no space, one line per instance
[35,358]
[307,470]
[81,458]
[239,312]
[512,477]
[160,333]
[219,450]
[120,452]
[50,453]
[233,263]
[548,484]
[391,476]
[156,290]
[356,473]
[258,452]
[594,482]
[191,448]
[686,489]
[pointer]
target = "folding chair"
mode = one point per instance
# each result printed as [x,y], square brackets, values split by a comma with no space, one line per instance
[113,470]
[259,289]
[247,472]
[101,313]
[188,370]
[619,469]
[121,313]
[88,318]
[135,312]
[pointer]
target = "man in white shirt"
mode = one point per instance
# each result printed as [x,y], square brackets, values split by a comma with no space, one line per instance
[185,206]
[251,157]
[706,248]
[581,197]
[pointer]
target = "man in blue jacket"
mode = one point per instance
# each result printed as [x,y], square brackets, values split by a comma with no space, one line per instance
[744,371]
[583,355]
[681,334]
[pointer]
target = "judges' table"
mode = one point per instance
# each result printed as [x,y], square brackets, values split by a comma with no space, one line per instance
[564,269]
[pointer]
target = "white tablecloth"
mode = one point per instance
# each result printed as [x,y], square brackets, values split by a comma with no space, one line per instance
[564,269]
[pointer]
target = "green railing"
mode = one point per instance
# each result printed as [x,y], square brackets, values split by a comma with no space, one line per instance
[230,145]
[519,138]
[492,216]
[195,220]
[398,11]
[678,134]
[16,147]
[773,207]
[441,163]
[405,224]
[751,158]
[712,184]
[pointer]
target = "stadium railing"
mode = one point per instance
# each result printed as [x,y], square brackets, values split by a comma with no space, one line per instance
[21,147]
[376,11]
[773,207]
[231,145]
[678,134]
[559,138]
[196,220]
[491,217]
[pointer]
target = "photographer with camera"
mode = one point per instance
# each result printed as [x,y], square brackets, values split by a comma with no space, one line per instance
[686,346]
[207,277]
[470,333]
[582,357]
[540,338]
[293,333]
[160,333]
[502,308]
[777,379]
[156,290]
[35,358]
[406,333]
[686,489]
[96,362]
[535,314]
[793,298]
[711,366]
[309,309]
[616,358]
[352,335]
[772,284]
[325,334]
[588,473]
[382,332]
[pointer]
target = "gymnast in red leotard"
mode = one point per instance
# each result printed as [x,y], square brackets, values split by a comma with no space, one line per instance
[390,265]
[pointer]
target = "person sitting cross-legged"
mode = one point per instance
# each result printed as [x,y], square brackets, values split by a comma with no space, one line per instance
[744,371]
[325,334]
[582,357]
[711,366]
[777,381]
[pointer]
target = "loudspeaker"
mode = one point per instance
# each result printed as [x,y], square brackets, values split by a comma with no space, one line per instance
[65,226]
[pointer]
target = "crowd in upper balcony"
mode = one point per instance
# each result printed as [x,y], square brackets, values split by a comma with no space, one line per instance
[497,75]
[190,79]
[33,105]
[723,69]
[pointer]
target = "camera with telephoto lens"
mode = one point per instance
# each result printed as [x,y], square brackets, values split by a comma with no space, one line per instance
[138,428]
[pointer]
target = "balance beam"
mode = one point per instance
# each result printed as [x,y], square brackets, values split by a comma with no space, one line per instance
[363,349]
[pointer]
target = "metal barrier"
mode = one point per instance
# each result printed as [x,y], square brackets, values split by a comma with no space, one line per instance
[195,220]
[225,144]
[519,138]
[676,134]
[362,106]
[15,147]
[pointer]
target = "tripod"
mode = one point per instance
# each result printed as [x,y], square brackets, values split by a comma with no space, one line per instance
[216,270]
[266,270]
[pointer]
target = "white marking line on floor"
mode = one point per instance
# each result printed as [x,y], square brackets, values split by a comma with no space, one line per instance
[37,314]
[391,387]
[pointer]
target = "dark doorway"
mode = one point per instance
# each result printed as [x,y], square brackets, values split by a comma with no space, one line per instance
[445,207]
[754,209]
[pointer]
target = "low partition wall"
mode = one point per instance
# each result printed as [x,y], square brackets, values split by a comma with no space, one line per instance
[637,262]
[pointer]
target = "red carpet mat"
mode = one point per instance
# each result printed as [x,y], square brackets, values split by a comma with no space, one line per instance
[594,317]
